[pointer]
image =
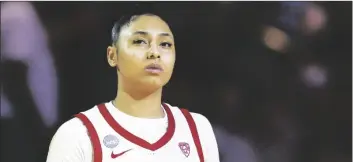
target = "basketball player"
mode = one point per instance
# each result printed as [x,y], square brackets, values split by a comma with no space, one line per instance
[136,126]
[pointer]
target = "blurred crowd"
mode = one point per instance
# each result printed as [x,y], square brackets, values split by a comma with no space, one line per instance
[274,78]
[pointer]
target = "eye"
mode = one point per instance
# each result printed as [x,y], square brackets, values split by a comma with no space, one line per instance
[166,44]
[139,41]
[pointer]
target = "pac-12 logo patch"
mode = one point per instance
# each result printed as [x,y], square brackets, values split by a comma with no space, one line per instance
[185,148]
[110,141]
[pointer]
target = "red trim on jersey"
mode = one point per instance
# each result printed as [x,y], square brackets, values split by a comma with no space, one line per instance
[137,140]
[195,134]
[97,149]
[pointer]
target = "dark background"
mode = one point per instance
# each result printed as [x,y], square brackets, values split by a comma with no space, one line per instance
[224,71]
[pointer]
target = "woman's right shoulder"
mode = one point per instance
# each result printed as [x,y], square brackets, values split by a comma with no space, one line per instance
[70,142]
[72,129]
[74,126]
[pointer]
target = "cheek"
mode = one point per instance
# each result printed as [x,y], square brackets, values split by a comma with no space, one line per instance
[132,55]
[169,61]
[130,62]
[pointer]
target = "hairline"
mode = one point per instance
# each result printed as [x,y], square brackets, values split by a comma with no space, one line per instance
[127,24]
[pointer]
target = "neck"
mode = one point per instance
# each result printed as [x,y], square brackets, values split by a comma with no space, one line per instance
[139,104]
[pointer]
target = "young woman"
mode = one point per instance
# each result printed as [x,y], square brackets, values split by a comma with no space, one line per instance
[137,126]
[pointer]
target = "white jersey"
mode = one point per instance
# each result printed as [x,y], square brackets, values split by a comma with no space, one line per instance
[182,138]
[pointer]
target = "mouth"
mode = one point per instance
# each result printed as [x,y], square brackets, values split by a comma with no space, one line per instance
[154,68]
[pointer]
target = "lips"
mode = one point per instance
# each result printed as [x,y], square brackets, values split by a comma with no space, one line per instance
[154,68]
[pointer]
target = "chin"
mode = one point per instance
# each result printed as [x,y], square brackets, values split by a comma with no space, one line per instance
[153,83]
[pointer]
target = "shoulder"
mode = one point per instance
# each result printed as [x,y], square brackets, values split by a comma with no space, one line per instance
[70,143]
[74,131]
[200,120]
[74,124]
[203,125]
[70,131]
[207,137]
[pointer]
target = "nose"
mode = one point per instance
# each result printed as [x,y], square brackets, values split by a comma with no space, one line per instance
[153,52]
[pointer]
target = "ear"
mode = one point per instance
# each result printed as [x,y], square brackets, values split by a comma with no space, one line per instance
[112,56]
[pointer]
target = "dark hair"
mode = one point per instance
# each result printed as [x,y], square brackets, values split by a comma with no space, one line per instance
[122,22]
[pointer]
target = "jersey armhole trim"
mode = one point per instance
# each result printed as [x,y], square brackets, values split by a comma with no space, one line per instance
[92,133]
[194,132]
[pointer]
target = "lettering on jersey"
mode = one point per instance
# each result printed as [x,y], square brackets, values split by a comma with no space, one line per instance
[110,141]
[185,148]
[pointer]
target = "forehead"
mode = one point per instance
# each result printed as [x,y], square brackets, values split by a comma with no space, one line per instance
[152,25]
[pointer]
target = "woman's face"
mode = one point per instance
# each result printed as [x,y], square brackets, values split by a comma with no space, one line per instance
[144,53]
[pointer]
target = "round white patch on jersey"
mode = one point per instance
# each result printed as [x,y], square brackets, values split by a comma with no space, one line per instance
[110,141]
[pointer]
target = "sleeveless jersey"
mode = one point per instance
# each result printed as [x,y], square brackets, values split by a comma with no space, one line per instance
[112,143]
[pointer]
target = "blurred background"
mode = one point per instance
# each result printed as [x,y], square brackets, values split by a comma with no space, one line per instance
[274,78]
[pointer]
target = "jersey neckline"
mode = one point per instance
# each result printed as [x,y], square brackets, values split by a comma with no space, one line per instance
[135,139]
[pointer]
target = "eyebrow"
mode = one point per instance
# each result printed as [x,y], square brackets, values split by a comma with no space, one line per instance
[146,33]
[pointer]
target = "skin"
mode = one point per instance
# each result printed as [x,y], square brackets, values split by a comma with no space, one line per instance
[146,40]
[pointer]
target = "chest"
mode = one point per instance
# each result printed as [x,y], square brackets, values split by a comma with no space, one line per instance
[176,150]
[176,147]
[174,141]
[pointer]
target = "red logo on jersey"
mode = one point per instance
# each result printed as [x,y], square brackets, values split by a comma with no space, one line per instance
[117,155]
[185,148]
